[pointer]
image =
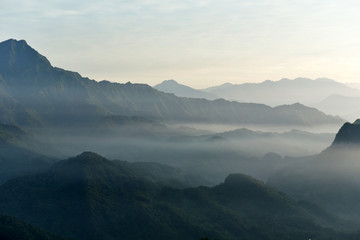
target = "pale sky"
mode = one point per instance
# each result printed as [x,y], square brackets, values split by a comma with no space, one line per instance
[198,43]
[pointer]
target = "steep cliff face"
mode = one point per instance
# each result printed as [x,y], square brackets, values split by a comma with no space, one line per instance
[349,133]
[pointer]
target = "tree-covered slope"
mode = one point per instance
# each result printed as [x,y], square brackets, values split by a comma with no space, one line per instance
[90,197]
[14,229]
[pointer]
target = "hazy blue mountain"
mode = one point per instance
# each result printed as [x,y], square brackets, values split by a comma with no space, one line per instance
[20,153]
[290,143]
[180,90]
[284,91]
[90,197]
[135,126]
[220,87]
[330,178]
[344,106]
[63,98]
[16,136]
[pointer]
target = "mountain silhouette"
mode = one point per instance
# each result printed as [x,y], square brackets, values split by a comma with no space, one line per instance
[347,107]
[171,86]
[284,91]
[348,134]
[42,95]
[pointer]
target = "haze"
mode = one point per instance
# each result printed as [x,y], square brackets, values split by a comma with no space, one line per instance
[200,43]
[183,153]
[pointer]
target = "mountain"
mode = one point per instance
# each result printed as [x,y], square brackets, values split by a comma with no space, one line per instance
[284,91]
[349,134]
[344,106]
[290,143]
[20,153]
[60,98]
[14,229]
[90,197]
[15,112]
[329,179]
[354,85]
[171,86]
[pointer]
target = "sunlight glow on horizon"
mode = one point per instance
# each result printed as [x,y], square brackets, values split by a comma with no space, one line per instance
[197,43]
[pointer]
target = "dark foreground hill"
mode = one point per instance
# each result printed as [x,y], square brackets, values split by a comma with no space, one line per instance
[14,229]
[34,93]
[90,197]
[330,179]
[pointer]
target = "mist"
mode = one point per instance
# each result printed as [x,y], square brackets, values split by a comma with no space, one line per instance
[211,155]
[327,95]
[329,179]
[99,159]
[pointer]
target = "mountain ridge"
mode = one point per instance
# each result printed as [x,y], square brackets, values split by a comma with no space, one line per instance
[171,86]
[14,229]
[284,91]
[64,98]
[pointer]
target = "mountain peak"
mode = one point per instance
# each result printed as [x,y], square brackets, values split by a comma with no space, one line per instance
[180,90]
[88,160]
[349,133]
[87,157]
[357,122]
[89,167]
[240,180]
[170,81]
[14,42]
[17,55]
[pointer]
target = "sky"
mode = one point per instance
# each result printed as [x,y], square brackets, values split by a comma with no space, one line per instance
[199,43]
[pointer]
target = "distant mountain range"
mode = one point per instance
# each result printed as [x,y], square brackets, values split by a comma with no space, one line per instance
[324,94]
[89,197]
[347,107]
[274,93]
[291,143]
[33,94]
[171,86]
[284,91]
